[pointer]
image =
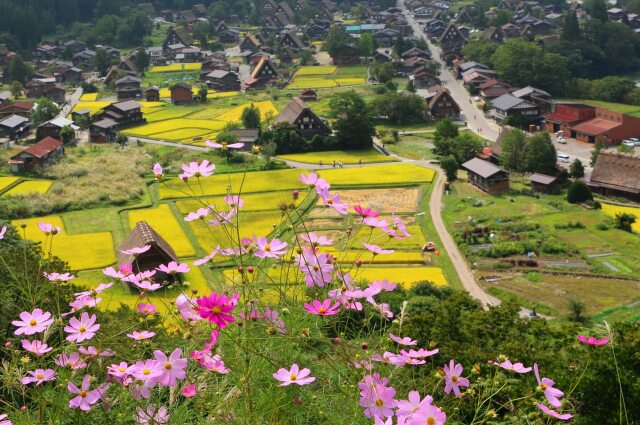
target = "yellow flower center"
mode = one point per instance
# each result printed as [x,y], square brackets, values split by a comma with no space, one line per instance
[82,329]
[267,247]
[293,377]
[431,420]
[216,310]
[40,376]
[316,268]
[167,365]
[330,201]
[83,393]
[146,371]
[322,310]
[454,378]
[33,322]
[121,369]
[379,402]
[543,387]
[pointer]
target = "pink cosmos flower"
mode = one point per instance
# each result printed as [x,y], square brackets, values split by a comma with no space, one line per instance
[173,367]
[189,391]
[234,201]
[58,277]
[39,376]
[120,371]
[316,240]
[418,354]
[32,323]
[223,145]
[334,202]
[553,413]
[186,307]
[314,182]
[376,250]
[4,416]
[36,347]
[374,222]
[173,267]
[152,415]
[93,351]
[293,376]
[83,329]
[147,285]
[84,398]
[72,360]
[453,379]
[84,301]
[147,370]
[141,335]
[380,401]
[431,415]
[194,169]
[216,308]
[316,267]
[198,214]
[266,249]
[3,230]
[136,250]
[398,225]
[365,212]
[323,308]
[546,386]
[48,229]
[272,318]
[117,274]
[157,171]
[402,341]
[208,257]
[516,367]
[592,340]
[413,404]
[146,309]
[213,363]
[97,290]
[379,421]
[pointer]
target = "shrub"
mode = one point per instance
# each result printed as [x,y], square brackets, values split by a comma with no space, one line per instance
[578,192]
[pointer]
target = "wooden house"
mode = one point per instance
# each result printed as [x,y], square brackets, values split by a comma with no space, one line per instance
[181,93]
[301,116]
[128,88]
[308,95]
[348,55]
[452,40]
[441,104]
[264,74]
[124,114]
[152,94]
[54,126]
[103,131]
[37,156]
[424,78]
[415,52]
[268,7]
[19,107]
[223,81]
[492,89]
[251,42]
[176,36]
[616,175]
[15,127]
[291,41]
[285,9]
[543,183]
[509,105]
[486,176]
[247,136]
[159,253]
[199,10]
[316,32]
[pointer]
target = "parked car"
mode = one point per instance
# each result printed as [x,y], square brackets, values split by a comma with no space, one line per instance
[563,157]
[635,140]
[629,143]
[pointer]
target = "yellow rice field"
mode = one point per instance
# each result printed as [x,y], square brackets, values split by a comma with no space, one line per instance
[406,276]
[5,182]
[252,202]
[612,210]
[176,67]
[316,70]
[29,187]
[89,97]
[311,82]
[173,124]
[82,252]
[163,221]
[347,157]
[393,174]
[235,114]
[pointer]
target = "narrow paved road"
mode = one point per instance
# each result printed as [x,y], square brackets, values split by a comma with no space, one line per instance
[474,117]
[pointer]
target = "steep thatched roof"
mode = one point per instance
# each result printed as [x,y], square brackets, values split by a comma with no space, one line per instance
[614,171]
[142,235]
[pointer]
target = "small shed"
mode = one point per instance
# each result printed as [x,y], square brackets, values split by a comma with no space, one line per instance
[159,253]
[308,95]
[543,183]
[103,131]
[247,136]
[152,94]
[39,155]
[181,93]
[487,176]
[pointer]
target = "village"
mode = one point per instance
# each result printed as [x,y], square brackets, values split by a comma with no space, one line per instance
[201,77]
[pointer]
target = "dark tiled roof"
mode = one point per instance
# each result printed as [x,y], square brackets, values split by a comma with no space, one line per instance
[483,168]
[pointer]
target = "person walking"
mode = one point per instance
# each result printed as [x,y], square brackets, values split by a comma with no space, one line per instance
[334,163]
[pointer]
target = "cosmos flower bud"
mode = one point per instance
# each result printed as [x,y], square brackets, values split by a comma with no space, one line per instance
[295,194]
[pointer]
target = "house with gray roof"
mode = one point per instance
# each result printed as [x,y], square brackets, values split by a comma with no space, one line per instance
[509,105]
[486,176]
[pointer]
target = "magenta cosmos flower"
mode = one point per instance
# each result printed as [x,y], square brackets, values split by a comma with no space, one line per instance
[216,308]
[36,347]
[189,391]
[195,169]
[376,250]
[516,367]
[553,413]
[365,212]
[93,351]
[158,171]
[453,379]
[146,309]
[152,415]
[402,341]
[324,308]
[4,417]
[546,386]
[173,367]
[223,145]
[141,335]
[173,267]
[83,329]
[3,230]
[293,376]
[120,371]
[39,376]
[32,323]
[273,249]
[85,398]
[591,340]
[48,228]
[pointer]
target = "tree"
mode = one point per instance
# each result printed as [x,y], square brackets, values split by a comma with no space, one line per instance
[577,169]
[46,109]
[201,32]
[445,129]
[336,41]
[578,192]
[382,72]
[287,138]
[570,27]
[466,146]
[305,57]
[353,126]
[513,143]
[367,44]
[539,154]
[251,117]
[410,87]
[202,95]
[597,148]
[597,10]
[67,134]
[480,50]
[624,221]
[122,140]
[401,45]
[576,310]
[399,108]
[450,167]
[504,16]
[102,61]
[141,60]
[19,70]
[16,88]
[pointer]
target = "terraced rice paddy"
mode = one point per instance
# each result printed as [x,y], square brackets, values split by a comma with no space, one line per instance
[347,157]
[89,97]
[328,76]
[28,187]
[5,182]
[176,67]
[612,210]
[163,221]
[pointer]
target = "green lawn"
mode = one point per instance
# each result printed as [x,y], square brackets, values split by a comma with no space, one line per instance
[616,107]
[419,146]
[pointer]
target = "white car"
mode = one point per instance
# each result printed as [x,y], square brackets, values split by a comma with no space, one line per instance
[563,157]
[635,140]
[630,143]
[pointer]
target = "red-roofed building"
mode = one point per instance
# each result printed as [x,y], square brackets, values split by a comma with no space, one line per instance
[492,89]
[39,155]
[567,115]
[611,127]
